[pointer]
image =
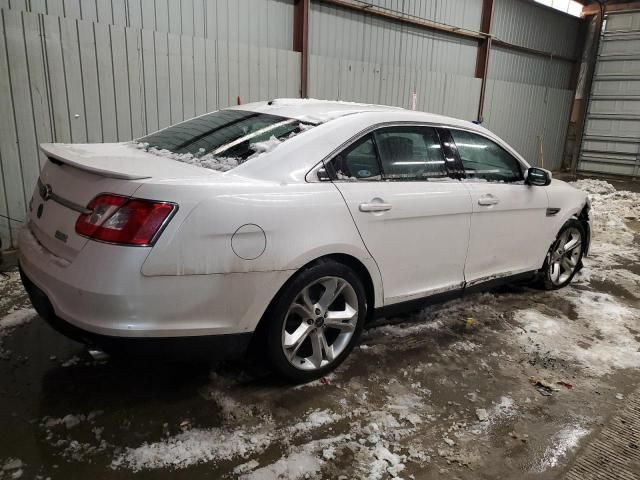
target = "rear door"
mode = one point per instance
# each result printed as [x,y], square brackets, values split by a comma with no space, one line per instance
[413,218]
[508,223]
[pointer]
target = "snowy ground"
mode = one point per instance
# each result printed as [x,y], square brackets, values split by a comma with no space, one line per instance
[503,384]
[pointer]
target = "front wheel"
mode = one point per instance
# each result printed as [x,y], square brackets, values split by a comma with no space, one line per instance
[316,321]
[564,257]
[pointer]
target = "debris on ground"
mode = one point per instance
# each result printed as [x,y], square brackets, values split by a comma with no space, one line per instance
[543,386]
[564,384]
[482,414]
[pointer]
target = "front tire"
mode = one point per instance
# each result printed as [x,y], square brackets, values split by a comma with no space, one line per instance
[316,321]
[564,258]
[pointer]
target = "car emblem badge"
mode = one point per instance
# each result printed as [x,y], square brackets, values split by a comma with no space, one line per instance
[45,192]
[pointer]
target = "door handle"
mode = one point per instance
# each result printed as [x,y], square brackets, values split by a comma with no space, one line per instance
[488,200]
[375,207]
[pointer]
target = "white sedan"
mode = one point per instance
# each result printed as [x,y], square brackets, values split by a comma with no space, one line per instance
[287,225]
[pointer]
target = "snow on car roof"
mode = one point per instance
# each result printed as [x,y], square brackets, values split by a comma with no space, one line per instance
[320,111]
[313,110]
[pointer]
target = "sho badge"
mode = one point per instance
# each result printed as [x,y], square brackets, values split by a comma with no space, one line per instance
[61,236]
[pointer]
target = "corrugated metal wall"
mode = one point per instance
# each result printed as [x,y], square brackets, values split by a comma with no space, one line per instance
[107,70]
[359,57]
[66,77]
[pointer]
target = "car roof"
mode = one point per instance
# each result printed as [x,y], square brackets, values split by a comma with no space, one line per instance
[321,111]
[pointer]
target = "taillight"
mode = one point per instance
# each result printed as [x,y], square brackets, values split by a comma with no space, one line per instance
[122,220]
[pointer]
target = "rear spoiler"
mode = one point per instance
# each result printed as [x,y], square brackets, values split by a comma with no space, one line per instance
[66,154]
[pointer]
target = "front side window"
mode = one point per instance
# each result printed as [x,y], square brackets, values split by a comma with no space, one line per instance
[410,153]
[486,160]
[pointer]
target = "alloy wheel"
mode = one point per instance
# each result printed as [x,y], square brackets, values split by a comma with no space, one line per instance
[320,323]
[565,256]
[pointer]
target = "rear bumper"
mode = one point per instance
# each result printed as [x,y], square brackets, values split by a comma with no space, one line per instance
[103,292]
[205,346]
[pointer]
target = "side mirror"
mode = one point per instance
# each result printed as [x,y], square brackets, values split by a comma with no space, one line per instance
[538,177]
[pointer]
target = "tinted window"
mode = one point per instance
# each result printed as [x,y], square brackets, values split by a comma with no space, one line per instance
[485,159]
[227,133]
[359,161]
[410,153]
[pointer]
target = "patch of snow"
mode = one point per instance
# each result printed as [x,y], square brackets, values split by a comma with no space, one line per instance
[245,467]
[295,466]
[209,161]
[193,447]
[403,329]
[316,419]
[407,406]
[71,362]
[563,442]
[593,186]
[482,414]
[386,462]
[465,346]
[12,464]
[16,318]
[302,462]
[267,146]
[612,240]
[70,421]
[600,341]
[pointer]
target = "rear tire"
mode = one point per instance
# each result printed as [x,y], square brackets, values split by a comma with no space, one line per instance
[564,258]
[315,321]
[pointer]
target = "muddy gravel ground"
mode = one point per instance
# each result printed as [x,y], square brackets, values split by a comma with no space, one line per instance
[505,384]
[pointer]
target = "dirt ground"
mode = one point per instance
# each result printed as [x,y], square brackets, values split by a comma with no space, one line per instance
[505,384]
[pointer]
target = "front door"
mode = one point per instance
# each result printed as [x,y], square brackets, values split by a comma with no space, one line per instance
[508,228]
[413,218]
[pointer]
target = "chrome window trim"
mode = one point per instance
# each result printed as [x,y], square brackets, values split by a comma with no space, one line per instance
[311,176]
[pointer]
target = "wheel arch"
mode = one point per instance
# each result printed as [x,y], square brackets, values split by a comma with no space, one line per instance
[349,260]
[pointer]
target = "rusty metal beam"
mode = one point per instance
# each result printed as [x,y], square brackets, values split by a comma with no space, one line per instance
[532,51]
[484,50]
[301,41]
[387,14]
[594,8]
[362,7]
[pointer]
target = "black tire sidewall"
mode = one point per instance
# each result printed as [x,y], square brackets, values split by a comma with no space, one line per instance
[281,305]
[546,269]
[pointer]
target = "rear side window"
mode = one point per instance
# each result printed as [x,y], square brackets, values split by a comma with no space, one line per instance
[358,162]
[404,153]
[410,153]
[486,160]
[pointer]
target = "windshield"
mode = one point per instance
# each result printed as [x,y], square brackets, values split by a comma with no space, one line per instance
[230,134]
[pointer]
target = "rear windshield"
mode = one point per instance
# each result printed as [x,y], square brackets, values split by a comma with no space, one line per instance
[224,139]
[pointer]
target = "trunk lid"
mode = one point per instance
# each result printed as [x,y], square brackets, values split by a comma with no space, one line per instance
[77,173]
